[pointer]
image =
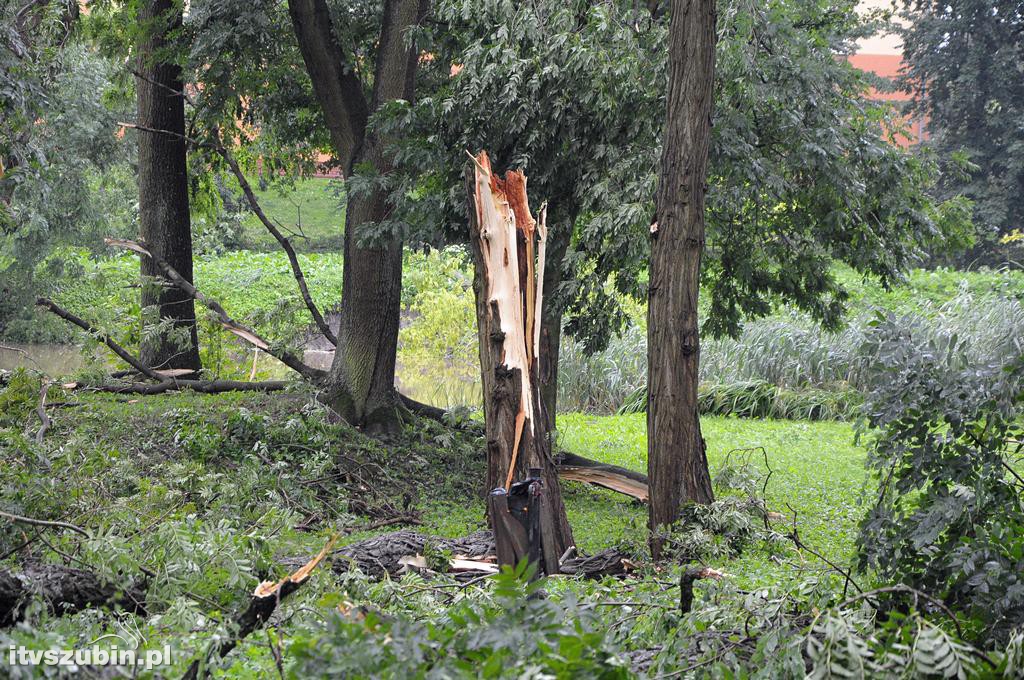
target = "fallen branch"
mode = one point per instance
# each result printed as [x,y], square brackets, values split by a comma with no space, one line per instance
[247,334]
[44,419]
[43,523]
[620,479]
[104,338]
[300,278]
[64,590]
[264,601]
[254,204]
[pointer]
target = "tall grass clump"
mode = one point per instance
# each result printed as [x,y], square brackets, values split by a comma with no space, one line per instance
[786,366]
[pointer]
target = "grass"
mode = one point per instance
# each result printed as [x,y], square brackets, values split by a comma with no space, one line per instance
[817,471]
[211,491]
[309,207]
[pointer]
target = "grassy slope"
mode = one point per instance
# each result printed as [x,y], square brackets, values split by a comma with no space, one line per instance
[309,207]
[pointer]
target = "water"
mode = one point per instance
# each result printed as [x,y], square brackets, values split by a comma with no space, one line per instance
[437,387]
[53,360]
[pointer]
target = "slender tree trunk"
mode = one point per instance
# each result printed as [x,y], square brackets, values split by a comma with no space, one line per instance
[559,236]
[507,303]
[361,383]
[677,464]
[164,221]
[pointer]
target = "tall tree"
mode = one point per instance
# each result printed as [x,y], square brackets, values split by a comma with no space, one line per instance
[677,466]
[164,219]
[793,186]
[360,386]
[963,62]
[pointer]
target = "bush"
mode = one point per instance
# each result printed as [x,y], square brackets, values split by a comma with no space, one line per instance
[948,518]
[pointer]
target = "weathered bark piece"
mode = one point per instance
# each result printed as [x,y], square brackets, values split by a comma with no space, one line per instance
[676,460]
[381,555]
[509,250]
[64,590]
[164,220]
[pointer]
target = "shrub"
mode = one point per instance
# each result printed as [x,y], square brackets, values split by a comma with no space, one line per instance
[948,518]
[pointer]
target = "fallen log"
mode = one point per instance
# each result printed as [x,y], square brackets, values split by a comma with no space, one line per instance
[204,386]
[64,590]
[390,555]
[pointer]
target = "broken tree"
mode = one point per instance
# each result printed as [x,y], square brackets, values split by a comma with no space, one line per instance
[508,253]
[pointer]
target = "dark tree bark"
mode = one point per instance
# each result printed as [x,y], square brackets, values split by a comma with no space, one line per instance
[551,320]
[164,220]
[677,464]
[507,303]
[361,383]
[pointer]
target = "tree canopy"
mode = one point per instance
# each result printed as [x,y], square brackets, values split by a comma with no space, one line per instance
[964,62]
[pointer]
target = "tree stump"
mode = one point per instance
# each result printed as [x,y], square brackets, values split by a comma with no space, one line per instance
[508,253]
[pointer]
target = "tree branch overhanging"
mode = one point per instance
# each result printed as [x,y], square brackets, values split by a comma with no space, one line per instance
[284,356]
[250,196]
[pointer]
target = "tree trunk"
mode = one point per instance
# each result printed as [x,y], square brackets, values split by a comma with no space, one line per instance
[677,464]
[164,221]
[361,383]
[502,234]
[551,320]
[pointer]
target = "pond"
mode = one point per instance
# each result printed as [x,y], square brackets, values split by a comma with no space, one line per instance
[435,386]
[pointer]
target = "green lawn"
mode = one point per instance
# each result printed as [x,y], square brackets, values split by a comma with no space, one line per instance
[311,208]
[208,492]
[818,472]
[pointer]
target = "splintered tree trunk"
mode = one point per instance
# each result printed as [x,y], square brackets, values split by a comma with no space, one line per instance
[507,255]
[164,220]
[677,465]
